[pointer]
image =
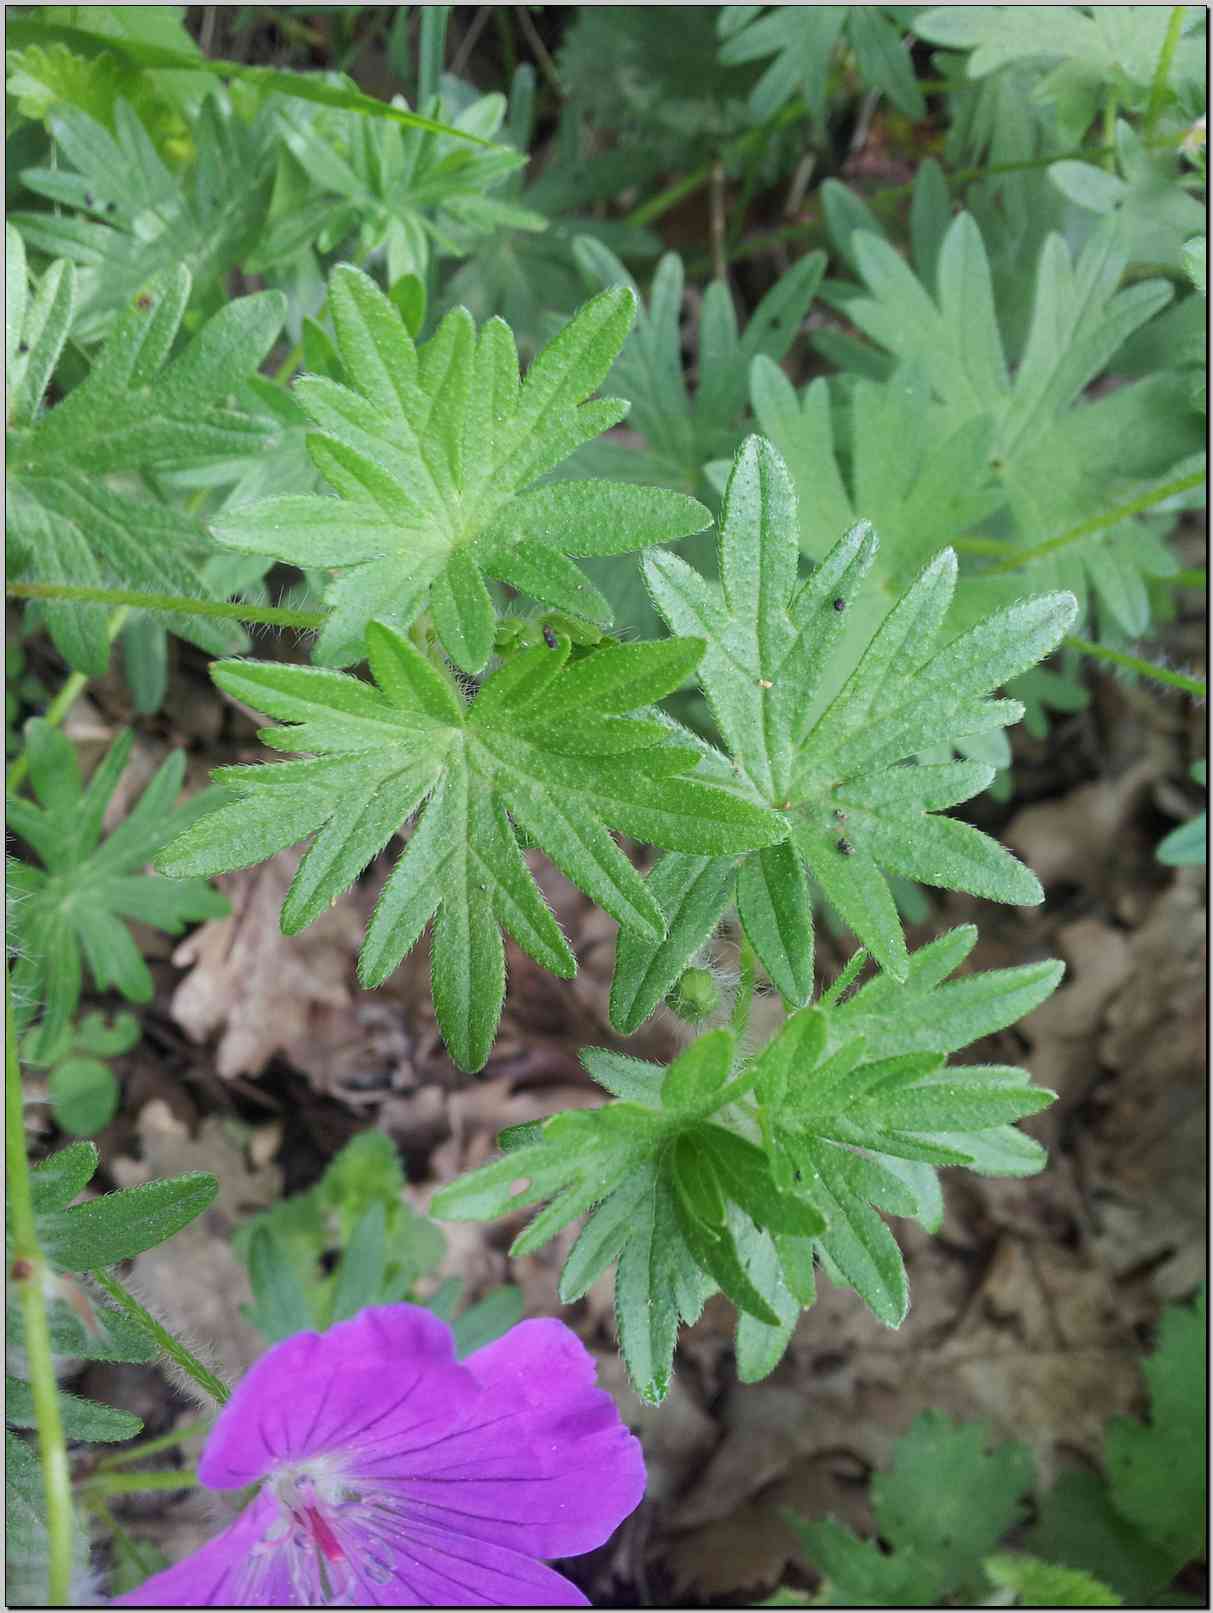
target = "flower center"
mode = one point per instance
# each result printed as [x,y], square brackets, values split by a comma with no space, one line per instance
[331,1539]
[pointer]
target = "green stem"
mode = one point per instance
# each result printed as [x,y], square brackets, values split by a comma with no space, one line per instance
[152,1447]
[657,206]
[103,1484]
[172,1347]
[1162,73]
[272,615]
[116,1532]
[1097,523]
[1134,663]
[994,548]
[64,701]
[752,141]
[26,1270]
[289,364]
[740,1016]
[1193,577]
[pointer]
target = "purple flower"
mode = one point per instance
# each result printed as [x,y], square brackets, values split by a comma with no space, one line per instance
[395,1476]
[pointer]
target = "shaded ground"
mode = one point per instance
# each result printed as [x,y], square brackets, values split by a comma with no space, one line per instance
[261,1057]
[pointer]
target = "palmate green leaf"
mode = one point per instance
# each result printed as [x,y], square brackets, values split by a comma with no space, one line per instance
[528,272]
[70,910]
[544,746]
[802,39]
[837,770]
[1154,215]
[938,484]
[137,411]
[26,1545]
[1173,1516]
[667,1184]
[434,453]
[944,1504]
[848,1109]
[410,192]
[1083,50]
[1078,1526]
[683,433]
[1058,459]
[130,219]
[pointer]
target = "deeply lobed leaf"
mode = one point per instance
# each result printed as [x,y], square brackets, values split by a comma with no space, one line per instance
[834,758]
[71,909]
[702,1175]
[432,452]
[547,746]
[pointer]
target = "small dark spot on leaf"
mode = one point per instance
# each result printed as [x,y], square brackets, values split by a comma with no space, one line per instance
[549,638]
[840,604]
[23,347]
[88,198]
[840,814]
[143,301]
[21,1270]
[111,207]
[847,849]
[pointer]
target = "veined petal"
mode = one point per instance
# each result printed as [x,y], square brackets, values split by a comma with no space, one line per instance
[214,1575]
[438,1569]
[545,1465]
[386,1381]
[396,1478]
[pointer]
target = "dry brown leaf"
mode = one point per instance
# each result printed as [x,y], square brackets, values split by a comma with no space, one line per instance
[267,992]
[1143,1150]
[1079,836]
[195,1280]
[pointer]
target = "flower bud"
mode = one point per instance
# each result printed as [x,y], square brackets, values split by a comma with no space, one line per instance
[695,996]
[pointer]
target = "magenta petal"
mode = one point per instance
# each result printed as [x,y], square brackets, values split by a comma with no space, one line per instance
[213,1576]
[397,1478]
[545,1466]
[386,1381]
[438,1569]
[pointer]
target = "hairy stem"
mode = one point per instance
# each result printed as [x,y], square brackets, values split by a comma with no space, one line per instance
[172,1347]
[26,1271]
[64,701]
[181,605]
[1135,663]
[1098,523]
